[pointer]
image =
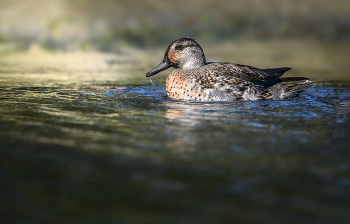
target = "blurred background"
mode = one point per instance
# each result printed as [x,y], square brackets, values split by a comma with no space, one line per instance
[310,36]
[106,24]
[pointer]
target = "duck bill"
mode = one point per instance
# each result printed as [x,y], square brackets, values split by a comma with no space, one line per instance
[161,67]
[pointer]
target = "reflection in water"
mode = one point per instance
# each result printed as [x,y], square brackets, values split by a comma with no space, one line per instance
[109,154]
[250,124]
[185,120]
[188,111]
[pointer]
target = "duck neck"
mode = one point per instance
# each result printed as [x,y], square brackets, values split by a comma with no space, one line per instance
[193,62]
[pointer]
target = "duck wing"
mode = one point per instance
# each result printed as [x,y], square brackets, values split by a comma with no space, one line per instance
[261,77]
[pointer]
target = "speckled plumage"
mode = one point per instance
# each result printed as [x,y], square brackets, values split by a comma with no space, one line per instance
[194,79]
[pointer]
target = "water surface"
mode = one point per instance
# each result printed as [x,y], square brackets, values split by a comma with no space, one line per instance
[132,155]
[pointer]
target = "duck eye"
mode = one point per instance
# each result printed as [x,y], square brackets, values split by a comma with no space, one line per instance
[179,47]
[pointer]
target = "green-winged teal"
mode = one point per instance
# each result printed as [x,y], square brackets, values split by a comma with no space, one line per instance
[196,80]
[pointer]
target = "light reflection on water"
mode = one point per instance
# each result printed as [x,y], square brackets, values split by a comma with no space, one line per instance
[111,153]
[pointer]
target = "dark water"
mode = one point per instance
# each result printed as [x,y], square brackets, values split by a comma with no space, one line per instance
[135,156]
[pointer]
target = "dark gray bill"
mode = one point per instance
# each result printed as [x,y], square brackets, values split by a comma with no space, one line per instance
[161,67]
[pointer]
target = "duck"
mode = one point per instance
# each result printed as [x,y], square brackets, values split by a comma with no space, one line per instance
[194,79]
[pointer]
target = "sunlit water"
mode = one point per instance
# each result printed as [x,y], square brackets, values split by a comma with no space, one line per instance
[132,155]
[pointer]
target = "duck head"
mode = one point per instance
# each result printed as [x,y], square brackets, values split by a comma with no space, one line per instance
[184,53]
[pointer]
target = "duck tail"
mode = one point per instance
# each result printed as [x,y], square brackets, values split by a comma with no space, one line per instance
[296,89]
[284,90]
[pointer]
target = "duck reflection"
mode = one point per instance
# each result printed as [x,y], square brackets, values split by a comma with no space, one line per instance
[186,122]
[194,113]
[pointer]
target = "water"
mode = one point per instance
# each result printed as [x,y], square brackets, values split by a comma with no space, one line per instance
[132,155]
